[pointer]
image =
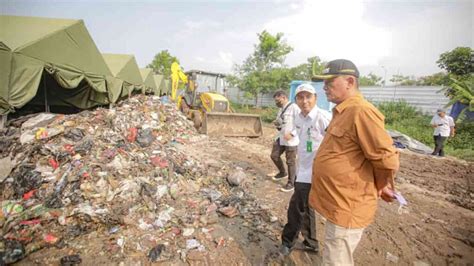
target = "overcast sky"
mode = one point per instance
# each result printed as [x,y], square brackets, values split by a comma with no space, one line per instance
[403,37]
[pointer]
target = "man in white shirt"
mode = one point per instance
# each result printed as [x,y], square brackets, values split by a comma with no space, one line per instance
[286,141]
[443,125]
[310,125]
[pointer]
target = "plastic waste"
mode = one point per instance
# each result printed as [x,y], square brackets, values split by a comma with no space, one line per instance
[70,260]
[6,167]
[145,137]
[155,253]
[11,251]
[237,177]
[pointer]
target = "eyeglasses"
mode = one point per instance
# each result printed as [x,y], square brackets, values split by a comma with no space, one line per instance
[328,83]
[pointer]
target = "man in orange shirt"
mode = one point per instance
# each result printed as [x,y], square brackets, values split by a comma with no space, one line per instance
[355,165]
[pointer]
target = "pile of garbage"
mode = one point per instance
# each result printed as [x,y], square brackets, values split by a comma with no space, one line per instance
[119,175]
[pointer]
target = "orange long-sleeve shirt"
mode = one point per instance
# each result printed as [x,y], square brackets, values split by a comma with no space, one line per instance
[355,153]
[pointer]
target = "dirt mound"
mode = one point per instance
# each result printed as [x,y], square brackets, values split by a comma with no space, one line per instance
[450,178]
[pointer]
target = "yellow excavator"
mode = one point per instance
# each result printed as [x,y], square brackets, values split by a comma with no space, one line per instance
[211,112]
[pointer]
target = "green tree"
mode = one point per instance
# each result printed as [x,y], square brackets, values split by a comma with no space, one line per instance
[263,71]
[437,79]
[161,63]
[370,80]
[305,71]
[461,91]
[459,61]
[460,66]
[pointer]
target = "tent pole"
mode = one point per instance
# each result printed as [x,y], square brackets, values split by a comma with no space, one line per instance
[4,121]
[46,106]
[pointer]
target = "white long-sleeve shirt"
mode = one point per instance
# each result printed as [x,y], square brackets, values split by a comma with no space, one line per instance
[288,125]
[310,128]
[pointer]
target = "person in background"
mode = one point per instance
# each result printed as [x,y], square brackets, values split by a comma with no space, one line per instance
[443,125]
[355,164]
[310,124]
[284,123]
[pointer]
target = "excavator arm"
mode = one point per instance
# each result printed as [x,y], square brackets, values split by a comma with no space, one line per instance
[177,76]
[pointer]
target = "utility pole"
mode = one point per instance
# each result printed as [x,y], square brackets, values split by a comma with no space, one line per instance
[384,76]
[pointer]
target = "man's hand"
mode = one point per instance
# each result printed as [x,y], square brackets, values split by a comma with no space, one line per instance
[288,136]
[386,194]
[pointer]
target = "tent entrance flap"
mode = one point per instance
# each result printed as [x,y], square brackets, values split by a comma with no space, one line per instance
[52,96]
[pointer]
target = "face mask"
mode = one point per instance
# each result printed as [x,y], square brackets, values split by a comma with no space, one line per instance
[279,103]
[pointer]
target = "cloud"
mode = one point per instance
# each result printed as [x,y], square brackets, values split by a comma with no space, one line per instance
[199,59]
[226,58]
[193,25]
[220,61]
[195,28]
[332,29]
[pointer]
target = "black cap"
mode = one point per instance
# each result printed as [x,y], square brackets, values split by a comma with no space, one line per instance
[336,68]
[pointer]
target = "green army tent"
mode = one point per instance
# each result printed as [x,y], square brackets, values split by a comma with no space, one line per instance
[148,79]
[160,84]
[167,87]
[57,56]
[125,68]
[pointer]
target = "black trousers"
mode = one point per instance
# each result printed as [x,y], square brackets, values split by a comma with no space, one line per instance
[439,145]
[301,218]
[290,153]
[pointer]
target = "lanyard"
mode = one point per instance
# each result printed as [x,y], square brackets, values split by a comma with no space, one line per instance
[309,143]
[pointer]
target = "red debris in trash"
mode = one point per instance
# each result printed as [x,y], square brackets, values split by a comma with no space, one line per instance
[53,163]
[220,242]
[158,161]
[180,140]
[69,148]
[122,151]
[109,153]
[50,239]
[31,222]
[176,230]
[192,203]
[132,134]
[22,236]
[29,194]
[229,211]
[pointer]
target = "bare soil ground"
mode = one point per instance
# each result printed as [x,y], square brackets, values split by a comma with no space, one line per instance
[435,229]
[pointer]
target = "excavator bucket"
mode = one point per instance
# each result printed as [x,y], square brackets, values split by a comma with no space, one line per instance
[232,125]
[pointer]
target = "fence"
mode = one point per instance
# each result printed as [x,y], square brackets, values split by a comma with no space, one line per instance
[237,96]
[426,99]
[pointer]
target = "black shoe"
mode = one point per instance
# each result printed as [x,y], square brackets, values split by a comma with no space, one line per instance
[310,247]
[288,188]
[279,176]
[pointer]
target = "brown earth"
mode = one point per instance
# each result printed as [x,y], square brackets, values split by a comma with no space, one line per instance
[436,228]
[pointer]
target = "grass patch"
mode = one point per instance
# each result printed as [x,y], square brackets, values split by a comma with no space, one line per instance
[402,117]
[268,114]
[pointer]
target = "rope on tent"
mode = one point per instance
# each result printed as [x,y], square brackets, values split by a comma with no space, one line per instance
[46,106]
